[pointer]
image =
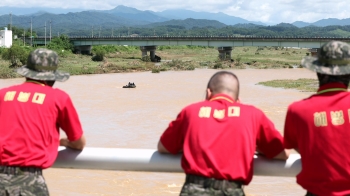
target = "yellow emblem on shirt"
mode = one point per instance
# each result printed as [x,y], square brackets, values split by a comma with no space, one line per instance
[337,117]
[219,114]
[10,95]
[204,112]
[23,97]
[320,119]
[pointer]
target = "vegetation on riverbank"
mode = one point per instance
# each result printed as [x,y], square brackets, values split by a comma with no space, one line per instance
[302,84]
[116,59]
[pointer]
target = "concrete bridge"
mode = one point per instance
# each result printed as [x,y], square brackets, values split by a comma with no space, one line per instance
[224,44]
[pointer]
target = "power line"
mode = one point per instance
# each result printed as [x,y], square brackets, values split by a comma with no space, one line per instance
[10,21]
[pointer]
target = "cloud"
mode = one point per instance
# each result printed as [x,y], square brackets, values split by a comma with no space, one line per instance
[268,11]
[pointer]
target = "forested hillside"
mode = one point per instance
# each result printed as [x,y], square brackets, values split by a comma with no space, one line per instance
[91,23]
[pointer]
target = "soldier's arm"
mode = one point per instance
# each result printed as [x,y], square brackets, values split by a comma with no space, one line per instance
[161,148]
[78,144]
[283,155]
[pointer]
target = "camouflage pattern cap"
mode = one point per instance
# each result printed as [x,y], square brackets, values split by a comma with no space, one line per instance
[333,58]
[42,65]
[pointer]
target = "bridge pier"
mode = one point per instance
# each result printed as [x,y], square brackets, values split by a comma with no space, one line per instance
[151,49]
[82,49]
[225,52]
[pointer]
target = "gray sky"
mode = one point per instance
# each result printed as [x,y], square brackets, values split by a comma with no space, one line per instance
[267,11]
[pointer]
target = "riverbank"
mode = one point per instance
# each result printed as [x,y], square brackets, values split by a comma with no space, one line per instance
[175,58]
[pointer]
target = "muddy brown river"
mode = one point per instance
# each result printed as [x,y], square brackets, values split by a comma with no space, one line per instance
[113,117]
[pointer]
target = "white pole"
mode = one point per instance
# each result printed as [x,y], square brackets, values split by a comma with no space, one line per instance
[31,33]
[45,34]
[10,21]
[50,30]
[150,160]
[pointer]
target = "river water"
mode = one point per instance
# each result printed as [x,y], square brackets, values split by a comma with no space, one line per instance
[135,118]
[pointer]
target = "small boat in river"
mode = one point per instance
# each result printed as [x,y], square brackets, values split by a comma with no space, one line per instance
[130,85]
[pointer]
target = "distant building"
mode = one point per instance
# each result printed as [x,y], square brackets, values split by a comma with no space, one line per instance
[5,38]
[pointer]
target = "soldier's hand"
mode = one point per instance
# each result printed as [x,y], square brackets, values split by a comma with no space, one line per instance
[64,142]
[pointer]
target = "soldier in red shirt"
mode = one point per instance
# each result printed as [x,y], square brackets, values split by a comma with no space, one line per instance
[31,115]
[318,127]
[218,138]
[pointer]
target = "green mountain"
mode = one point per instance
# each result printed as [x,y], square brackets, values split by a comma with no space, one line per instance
[70,23]
[100,23]
[187,23]
[182,14]
[135,14]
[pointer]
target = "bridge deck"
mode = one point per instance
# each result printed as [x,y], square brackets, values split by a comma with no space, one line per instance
[214,41]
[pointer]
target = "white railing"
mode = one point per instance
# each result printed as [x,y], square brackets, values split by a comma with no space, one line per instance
[127,159]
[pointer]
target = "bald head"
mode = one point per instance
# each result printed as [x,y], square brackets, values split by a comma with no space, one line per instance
[224,82]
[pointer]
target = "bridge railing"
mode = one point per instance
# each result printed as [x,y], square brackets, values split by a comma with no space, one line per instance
[126,159]
[201,37]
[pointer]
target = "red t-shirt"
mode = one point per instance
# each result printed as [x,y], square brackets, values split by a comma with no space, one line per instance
[219,137]
[319,127]
[30,117]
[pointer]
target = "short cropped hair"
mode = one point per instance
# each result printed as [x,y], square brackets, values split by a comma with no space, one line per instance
[218,83]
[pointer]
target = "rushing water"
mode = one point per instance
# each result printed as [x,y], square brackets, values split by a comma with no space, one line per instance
[135,118]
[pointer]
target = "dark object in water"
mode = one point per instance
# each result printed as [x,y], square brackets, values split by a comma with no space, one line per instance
[130,85]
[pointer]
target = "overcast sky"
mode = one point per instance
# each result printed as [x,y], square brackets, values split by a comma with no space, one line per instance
[267,11]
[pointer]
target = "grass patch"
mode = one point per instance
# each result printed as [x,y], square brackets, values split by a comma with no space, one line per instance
[155,70]
[302,84]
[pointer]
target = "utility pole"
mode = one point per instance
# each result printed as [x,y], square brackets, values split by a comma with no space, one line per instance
[99,33]
[50,30]
[10,21]
[128,31]
[31,32]
[45,34]
[92,31]
[112,32]
[24,37]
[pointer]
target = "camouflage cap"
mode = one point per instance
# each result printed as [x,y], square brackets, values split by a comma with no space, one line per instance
[42,65]
[333,58]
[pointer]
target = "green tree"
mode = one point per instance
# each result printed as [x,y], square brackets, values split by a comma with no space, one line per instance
[60,43]
[15,54]
[99,54]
